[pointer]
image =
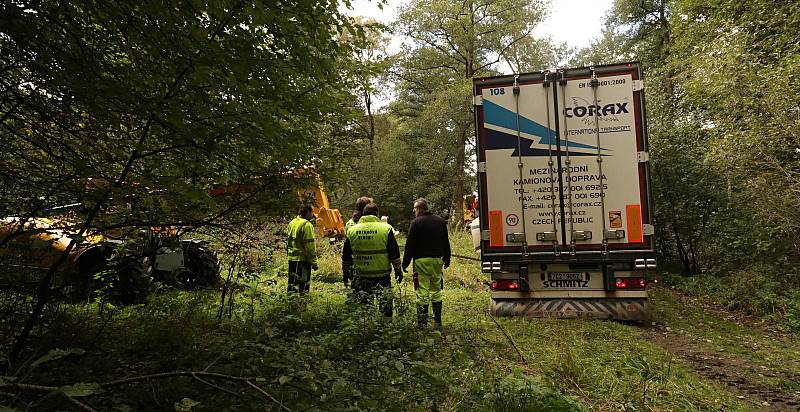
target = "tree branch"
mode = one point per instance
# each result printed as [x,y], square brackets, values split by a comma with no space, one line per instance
[525,361]
[197,378]
[78,403]
[272,398]
[7,383]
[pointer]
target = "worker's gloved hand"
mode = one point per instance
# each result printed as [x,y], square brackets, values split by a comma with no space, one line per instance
[347,277]
[398,275]
[314,266]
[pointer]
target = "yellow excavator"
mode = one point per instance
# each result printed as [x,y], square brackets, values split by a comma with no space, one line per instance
[329,221]
[31,246]
[131,260]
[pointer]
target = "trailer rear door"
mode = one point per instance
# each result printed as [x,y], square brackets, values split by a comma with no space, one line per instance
[563,162]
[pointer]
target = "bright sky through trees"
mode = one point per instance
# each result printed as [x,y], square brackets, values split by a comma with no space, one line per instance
[575,22]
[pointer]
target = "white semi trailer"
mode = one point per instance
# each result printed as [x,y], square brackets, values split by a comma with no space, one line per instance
[564,188]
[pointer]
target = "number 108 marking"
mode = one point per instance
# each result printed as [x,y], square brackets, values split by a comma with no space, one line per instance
[495,92]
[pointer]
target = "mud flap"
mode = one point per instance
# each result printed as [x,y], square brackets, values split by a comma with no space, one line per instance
[617,309]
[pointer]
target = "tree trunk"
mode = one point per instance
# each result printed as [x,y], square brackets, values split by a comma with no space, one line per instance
[457,220]
[371,120]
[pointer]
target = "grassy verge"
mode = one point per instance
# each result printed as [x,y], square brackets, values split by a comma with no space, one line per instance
[319,353]
[765,360]
[758,291]
[606,365]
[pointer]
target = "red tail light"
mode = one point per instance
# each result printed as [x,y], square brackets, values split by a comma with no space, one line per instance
[631,283]
[505,284]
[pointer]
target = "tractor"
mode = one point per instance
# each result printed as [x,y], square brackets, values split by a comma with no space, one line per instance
[120,265]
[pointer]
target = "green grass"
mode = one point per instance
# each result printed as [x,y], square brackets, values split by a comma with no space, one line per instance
[319,353]
[760,290]
[606,365]
[726,336]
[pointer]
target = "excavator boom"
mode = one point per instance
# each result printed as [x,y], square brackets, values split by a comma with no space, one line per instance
[329,221]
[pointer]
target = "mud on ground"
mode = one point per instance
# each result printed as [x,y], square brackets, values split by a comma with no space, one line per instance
[754,380]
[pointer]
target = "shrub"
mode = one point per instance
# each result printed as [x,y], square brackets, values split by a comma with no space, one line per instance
[758,291]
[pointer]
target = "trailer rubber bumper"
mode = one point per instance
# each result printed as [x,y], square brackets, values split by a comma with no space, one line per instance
[617,309]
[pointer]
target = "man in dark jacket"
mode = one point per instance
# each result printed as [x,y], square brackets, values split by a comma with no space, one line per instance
[428,245]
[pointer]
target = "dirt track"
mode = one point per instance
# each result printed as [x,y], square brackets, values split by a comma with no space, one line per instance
[746,377]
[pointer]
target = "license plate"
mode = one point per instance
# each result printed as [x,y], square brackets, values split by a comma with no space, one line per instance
[565,276]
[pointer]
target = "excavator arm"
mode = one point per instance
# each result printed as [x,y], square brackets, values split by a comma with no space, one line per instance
[329,221]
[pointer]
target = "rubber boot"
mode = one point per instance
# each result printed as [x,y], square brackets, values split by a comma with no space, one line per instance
[387,310]
[437,314]
[422,316]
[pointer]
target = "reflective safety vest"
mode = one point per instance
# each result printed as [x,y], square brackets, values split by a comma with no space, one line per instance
[350,223]
[300,241]
[368,240]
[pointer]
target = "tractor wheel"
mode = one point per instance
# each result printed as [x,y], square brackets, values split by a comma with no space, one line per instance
[202,265]
[81,285]
[131,285]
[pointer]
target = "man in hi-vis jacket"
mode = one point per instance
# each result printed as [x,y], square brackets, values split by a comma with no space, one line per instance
[302,250]
[369,255]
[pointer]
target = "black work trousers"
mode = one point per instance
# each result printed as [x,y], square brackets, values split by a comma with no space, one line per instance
[367,289]
[299,277]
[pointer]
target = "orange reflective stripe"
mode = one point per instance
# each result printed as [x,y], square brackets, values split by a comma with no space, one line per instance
[634,216]
[495,228]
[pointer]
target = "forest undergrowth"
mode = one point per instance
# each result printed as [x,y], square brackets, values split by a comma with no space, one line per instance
[277,352]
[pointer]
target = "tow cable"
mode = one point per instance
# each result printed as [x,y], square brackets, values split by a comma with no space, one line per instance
[452,254]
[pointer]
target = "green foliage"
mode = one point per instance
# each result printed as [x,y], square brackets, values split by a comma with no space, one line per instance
[384,172]
[757,291]
[644,28]
[185,405]
[449,44]
[685,186]
[80,390]
[54,354]
[320,352]
[350,142]
[722,96]
[608,49]
[251,252]
[198,92]
[330,261]
[520,392]
[136,110]
[748,90]
[159,103]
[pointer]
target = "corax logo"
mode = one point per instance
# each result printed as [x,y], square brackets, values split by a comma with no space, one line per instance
[535,140]
[590,110]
